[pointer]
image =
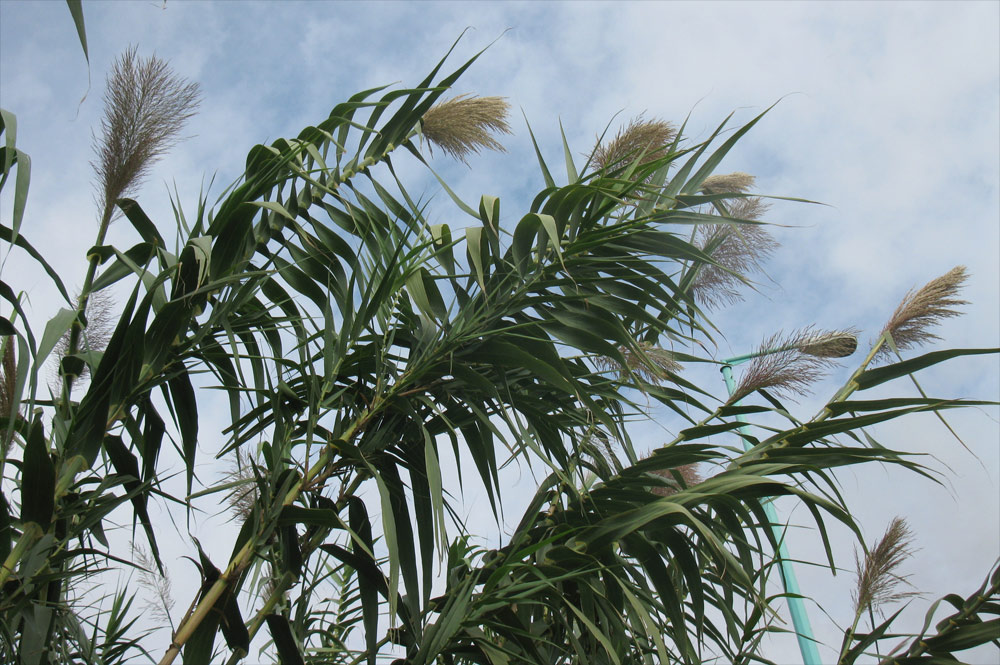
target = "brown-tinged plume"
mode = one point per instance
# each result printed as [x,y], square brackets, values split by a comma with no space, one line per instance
[677,479]
[466,124]
[788,364]
[878,578]
[156,583]
[728,183]
[100,326]
[737,249]
[649,138]
[651,363]
[145,108]
[243,496]
[920,310]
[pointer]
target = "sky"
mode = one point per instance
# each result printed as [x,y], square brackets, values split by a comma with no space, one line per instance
[887,114]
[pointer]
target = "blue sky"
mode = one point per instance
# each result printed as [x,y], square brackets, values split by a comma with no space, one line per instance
[887,113]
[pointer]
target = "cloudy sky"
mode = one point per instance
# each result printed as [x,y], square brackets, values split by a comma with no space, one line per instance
[887,113]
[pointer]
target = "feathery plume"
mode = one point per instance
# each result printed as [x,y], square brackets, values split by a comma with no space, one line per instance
[920,310]
[828,344]
[788,364]
[145,107]
[650,138]
[738,251]
[677,479]
[97,333]
[466,124]
[242,497]
[877,576]
[598,441]
[651,363]
[270,584]
[728,183]
[157,584]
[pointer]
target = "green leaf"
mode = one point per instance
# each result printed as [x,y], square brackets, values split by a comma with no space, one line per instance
[462,205]
[879,375]
[860,406]
[712,162]
[38,484]
[489,213]
[549,182]
[441,234]
[186,413]
[6,536]
[284,640]
[866,640]
[55,329]
[965,636]
[8,125]
[21,185]
[16,239]
[476,248]
[369,577]
[198,649]
[76,10]
[141,223]
[323,517]
[132,262]
[571,173]
[421,287]
[234,630]
[436,489]
[524,239]
[127,466]
[509,355]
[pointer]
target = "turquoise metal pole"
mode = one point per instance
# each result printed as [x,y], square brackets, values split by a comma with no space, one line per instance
[800,619]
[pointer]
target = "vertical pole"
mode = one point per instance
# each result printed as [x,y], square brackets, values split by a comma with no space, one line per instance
[800,619]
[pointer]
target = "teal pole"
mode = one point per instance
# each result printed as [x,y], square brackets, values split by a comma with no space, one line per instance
[800,619]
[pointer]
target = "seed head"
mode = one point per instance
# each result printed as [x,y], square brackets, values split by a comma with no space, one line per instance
[156,583]
[677,479]
[728,183]
[145,107]
[599,443]
[651,363]
[97,333]
[920,310]
[243,496]
[829,344]
[737,249]
[466,124]
[650,138]
[788,364]
[877,576]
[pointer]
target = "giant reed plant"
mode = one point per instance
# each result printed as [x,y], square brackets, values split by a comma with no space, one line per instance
[355,339]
